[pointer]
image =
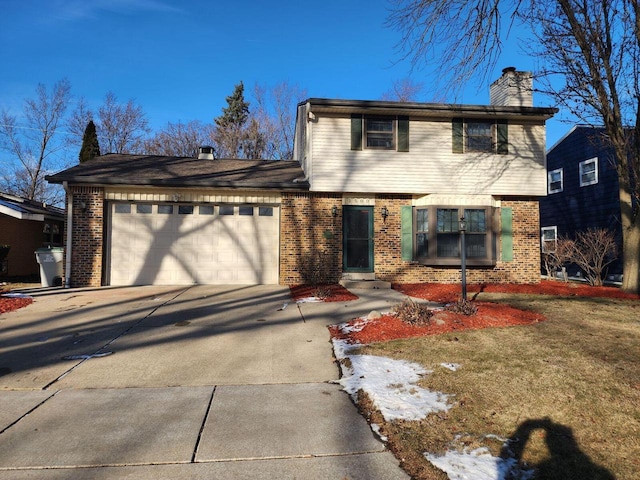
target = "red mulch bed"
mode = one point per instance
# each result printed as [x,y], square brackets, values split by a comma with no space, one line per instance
[9,304]
[438,292]
[389,327]
[334,293]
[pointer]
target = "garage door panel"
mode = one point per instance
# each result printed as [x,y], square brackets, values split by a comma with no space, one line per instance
[161,248]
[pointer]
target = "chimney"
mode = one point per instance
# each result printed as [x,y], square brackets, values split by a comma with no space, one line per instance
[512,89]
[205,153]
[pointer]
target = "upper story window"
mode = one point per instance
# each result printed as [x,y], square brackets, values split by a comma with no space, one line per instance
[379,132]
[554,181]
[589,172]
[480,136]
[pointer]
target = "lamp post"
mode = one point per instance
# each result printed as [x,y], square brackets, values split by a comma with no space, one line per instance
[463,255]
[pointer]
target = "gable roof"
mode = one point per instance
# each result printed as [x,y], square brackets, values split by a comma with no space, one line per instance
[25,209]
[155,170]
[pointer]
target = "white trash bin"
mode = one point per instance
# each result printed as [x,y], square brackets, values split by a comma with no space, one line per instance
[50,260]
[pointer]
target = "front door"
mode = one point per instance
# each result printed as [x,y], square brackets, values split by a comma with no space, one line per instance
[358,239]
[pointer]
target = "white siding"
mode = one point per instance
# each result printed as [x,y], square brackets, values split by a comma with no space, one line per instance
[429,166]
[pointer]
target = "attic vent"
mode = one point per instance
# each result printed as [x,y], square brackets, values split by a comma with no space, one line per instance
[205,153]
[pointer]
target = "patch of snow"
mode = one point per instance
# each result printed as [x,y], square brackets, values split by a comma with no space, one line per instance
[355,326]
[390,384]
[376,428]
[309,300]
[15,295]
[478,464]
[451,366]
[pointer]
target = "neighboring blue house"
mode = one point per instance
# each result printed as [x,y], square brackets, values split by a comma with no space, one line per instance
[582,191]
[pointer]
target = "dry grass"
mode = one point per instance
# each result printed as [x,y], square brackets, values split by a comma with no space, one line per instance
[568,388]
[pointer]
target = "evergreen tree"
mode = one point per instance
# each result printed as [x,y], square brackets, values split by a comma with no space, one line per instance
[90,147]
[230,132]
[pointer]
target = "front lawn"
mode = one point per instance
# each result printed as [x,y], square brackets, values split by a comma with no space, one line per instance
[561,396]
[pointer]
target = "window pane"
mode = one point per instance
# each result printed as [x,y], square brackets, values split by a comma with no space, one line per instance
[422,245]
[123,208]
[379,125]
[205,209]
[265,211]
[225,210]
[143,208]
[476,246]
[244,210]
[422,220]
[185,209]
[475,221]
[448,245]
[447,220]
[165,209]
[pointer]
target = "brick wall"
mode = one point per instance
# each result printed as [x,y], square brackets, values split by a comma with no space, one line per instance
[310,238]
[87,236]
[307,227]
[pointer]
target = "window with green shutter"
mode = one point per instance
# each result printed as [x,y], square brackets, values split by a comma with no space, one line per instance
[480,136]
[379,132]
[435,237]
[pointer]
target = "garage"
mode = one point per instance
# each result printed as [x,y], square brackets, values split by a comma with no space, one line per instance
[186,243]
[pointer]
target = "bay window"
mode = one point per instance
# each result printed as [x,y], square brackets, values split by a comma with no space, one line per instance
[436,235]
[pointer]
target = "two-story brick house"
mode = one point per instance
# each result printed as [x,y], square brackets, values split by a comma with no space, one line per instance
[375,190]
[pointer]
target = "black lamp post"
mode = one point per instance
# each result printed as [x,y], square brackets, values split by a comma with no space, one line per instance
[463,255]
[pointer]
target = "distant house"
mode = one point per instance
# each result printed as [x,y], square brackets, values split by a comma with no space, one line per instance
[582,186]
[26,225]
[376,190]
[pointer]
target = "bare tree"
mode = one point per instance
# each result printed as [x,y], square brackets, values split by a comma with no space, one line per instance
[405,90]
[591,49]
[558,256]
[179,139]
[594,249]
[33,142]
[275,113]
[121,127]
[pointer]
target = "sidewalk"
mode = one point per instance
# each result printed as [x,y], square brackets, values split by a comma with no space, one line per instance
[195,382]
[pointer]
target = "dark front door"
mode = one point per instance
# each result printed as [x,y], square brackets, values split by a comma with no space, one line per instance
[358,239]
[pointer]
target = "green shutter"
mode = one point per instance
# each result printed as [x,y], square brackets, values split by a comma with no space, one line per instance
[356,132]
[506,216]
[406,218]
[403,134]
[458,135]
[503,137]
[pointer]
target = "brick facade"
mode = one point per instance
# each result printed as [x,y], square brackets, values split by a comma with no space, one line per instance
[310,233]
[310,238]
[87,236]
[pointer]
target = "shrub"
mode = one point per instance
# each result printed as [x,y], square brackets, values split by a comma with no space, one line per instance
[464,307]
[413,313]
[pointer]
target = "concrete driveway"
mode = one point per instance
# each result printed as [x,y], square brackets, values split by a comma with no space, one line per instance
[181,382]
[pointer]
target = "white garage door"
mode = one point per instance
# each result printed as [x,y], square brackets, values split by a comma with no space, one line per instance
[178,244]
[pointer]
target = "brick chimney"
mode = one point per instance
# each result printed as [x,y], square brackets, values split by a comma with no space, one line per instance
[512,89]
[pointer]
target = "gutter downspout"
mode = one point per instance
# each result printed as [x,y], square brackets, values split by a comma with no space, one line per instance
[69,232]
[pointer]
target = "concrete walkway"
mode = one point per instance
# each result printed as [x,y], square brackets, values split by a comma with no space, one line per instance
[215,382]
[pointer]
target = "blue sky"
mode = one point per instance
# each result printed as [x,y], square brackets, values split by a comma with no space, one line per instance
[179,59]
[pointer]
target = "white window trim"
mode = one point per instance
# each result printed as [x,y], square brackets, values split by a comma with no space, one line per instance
[549,182]
[581,171]
[544,241]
